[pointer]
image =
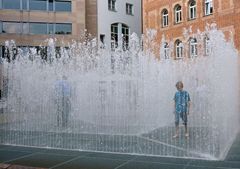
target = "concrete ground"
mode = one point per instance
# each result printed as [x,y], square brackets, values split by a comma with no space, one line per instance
[17,157]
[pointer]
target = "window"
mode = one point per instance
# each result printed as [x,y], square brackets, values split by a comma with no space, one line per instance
[165,18]
[112,5]
[50,28]
[12,27]
[179,49]
[207,46]
[192,10]
[129,9]
[38,5]
[178,14]
[125,33]
[166,50]
[63,28]
[114,35]
[25,27]
[50,5]
[208,7]
[63,6]
[102,40]
[11,4]
[25,4]
[193,47]
[38,28]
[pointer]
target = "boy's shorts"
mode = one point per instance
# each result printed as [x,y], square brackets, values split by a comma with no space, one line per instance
[182,115]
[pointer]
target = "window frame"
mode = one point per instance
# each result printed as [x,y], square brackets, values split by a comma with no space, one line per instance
[178,14]
[166,51]
[129,9]
[46,6]
[178,49]
[208,7]
[207,49]
[192,10]
[193,48]
[165,20]
[112,5]
[114,35]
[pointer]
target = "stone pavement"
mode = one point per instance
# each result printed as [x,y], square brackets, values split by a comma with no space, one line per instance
[17,157]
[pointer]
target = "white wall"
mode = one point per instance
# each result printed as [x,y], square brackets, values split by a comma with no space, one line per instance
[107,17]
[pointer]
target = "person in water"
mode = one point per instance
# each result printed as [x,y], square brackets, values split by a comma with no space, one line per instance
[181,108]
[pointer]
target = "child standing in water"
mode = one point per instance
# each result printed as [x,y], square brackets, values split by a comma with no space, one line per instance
[181,108]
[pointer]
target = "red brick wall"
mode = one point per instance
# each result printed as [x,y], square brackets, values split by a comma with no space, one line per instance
[226,14]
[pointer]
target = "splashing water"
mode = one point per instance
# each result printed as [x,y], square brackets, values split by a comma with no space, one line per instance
[122,101]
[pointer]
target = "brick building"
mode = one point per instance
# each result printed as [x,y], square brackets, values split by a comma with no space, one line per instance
[170,17]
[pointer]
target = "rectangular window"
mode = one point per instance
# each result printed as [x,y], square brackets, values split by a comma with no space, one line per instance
[24,4]
[12,27]
[38,5]
[114,36]
[50,5]
[38,28]
[208,7]
[129,9]
[25,28]
[65,6]
[63,28]
[112,5]
[50,28]
[11,4]
[1,27]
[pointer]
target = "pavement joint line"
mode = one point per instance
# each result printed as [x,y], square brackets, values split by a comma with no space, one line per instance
[178,148]
[21,157]
[65,162]
[127,162]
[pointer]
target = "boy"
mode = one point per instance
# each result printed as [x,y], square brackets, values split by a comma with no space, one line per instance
[181,108]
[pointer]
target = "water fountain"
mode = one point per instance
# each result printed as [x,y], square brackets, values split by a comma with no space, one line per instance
[122,101]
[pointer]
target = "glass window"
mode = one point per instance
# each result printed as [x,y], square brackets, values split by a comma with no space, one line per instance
[25,28]
[50,28]
[165,18]
[125,33]
[50,5]
[63,6]
[37,4]
[178,14]
[63,28]
[179,49]
[24,4]
[12,27]
[208,7]
[11,4]
[193,47]
[114,35]
[207,46]
[166,51]
[192,9]
[129,9]
[1,27]
[38,28]
[112,5]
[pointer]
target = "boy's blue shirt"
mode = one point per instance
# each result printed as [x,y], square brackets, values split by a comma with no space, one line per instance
[181,99]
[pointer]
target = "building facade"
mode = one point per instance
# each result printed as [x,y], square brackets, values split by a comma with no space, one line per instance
[171,17]
[30,22]
[117,20]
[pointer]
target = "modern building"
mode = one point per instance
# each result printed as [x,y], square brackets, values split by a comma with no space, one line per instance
[171,17]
